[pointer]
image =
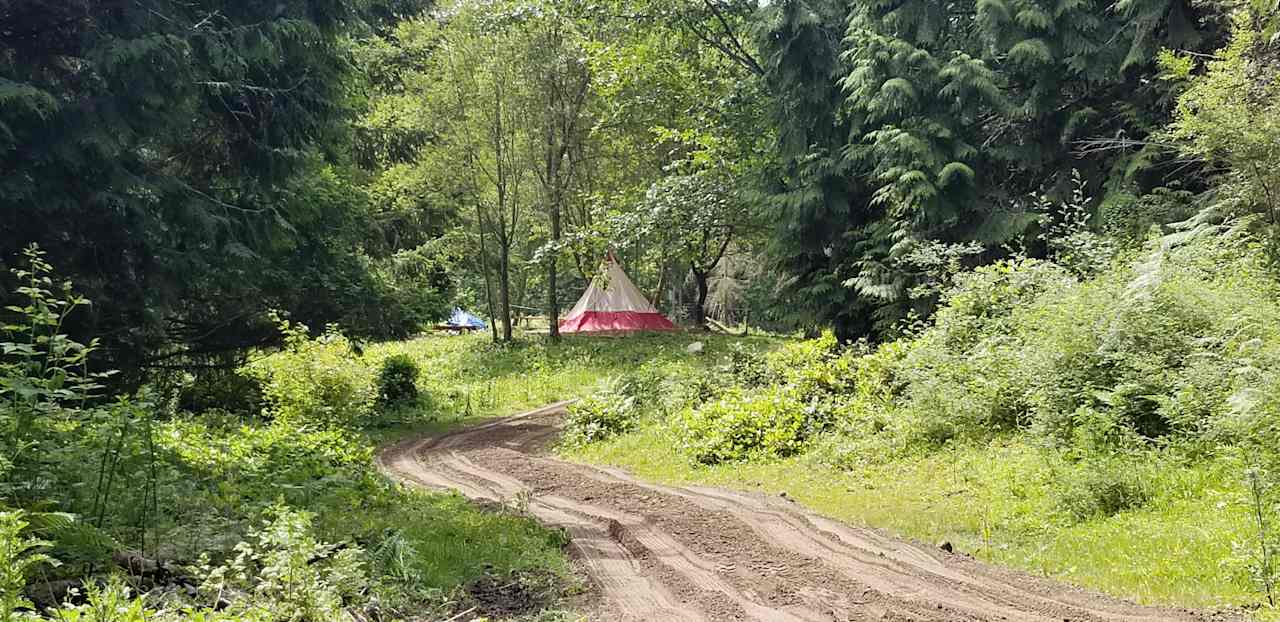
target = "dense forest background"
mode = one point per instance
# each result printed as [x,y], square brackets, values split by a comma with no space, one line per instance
[194,166]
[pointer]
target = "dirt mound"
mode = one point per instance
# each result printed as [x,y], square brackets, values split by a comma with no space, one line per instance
[512,595]
[667,553]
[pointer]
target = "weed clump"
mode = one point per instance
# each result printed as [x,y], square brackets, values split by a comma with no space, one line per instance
[1102,487]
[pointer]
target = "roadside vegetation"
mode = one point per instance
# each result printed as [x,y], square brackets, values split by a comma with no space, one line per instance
[1114,430]
[246,495]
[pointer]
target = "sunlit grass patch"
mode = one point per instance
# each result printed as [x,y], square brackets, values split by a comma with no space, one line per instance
[467,377]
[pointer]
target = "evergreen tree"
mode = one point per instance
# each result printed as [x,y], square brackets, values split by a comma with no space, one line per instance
[946,115]
[177,159]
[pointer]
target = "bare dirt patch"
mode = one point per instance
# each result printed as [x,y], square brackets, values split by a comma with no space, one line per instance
[690,553]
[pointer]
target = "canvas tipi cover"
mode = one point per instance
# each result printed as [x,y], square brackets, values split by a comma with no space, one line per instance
[613,304]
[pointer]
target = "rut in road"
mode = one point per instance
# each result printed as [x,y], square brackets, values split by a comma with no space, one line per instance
[670,553]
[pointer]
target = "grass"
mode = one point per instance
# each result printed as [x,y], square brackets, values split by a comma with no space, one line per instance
[998,503]
[454,541]
[467,377]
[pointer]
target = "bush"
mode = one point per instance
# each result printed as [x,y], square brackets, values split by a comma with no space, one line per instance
[746,367]
[287,574]
[318,381]
[772,421]
[609,413]
[983,301]
[815,367]
[397,381]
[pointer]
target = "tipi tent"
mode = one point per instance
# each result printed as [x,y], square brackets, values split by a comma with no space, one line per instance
[613,304]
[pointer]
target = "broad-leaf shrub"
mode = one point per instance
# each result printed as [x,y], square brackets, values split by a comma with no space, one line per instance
[772,421]
[397,381]
[746,367]
[813,368]
[46,388]
[786,397]
[599,417]
[615,410]
[320,381]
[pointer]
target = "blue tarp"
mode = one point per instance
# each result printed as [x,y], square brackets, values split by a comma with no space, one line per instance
[462,319]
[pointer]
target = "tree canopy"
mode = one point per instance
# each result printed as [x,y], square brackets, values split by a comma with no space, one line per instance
[196,165]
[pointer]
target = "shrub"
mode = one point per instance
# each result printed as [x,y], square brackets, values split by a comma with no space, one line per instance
[596,418]
[815,367]
[44,380]
[287,574]
[772,421]
[1069,236]
[397,381]
[746,366]
[983,301]
[318,381]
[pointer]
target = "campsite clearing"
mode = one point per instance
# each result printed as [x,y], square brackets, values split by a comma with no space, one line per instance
[696,553]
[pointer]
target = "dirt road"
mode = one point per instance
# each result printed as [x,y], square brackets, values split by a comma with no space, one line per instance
[666,553]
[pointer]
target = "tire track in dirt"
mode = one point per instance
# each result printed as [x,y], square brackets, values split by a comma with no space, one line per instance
[694,553]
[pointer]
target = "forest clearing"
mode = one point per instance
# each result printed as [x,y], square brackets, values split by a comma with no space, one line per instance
[814,310]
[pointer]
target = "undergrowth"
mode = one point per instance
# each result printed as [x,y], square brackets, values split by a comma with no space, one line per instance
[180,503]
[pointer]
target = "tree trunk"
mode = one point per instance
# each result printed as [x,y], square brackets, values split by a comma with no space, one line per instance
[553,304]
[504,289]
[484,269]
[699,307]
[662,282]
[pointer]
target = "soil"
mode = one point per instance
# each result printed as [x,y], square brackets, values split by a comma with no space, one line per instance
[656,552]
